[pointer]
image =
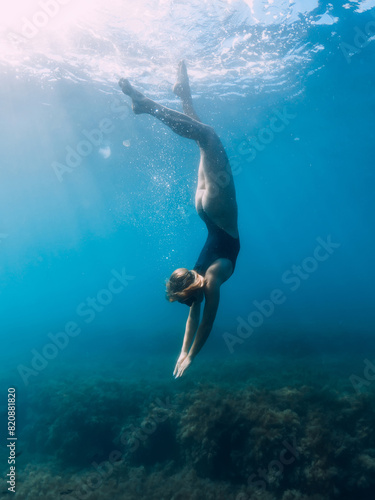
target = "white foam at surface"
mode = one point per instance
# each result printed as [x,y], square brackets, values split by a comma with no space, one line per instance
[222,40]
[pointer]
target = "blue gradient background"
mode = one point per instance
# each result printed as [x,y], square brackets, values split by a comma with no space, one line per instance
[134,210]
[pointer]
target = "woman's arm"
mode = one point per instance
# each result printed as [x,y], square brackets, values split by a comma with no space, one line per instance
[209,315]
[216,275]
[191,327]
[212,293]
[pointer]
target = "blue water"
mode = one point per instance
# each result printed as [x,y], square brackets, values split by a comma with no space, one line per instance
[124,205]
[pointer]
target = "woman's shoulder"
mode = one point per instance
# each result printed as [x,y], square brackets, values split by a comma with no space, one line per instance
[219,272]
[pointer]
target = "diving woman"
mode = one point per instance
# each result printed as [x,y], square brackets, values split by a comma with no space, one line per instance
[215,202]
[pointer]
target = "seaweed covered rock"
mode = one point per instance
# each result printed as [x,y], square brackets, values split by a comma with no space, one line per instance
[204,441]
[77,422]
[227,435]
[283,440]
[153,438]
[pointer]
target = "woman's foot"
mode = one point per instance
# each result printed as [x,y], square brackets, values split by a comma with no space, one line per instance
[182,88]
[140,103]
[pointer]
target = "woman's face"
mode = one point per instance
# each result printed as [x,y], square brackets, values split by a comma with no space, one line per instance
[195,296]
[189,301]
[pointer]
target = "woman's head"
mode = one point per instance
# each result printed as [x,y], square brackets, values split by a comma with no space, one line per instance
[182,284]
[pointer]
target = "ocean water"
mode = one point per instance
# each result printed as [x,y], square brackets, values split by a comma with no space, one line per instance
[97,210]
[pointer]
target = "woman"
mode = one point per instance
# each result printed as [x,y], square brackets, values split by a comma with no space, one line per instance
[215,201]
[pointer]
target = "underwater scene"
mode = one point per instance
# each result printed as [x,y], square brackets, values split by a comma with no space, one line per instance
[187,241]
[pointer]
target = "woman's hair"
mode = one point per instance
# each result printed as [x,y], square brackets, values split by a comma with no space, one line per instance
[182,283]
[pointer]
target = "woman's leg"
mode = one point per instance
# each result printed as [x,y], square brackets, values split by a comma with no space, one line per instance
[182,124]
[218,198]
[182,90]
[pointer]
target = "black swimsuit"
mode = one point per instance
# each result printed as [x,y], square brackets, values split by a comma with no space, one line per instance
[219,245]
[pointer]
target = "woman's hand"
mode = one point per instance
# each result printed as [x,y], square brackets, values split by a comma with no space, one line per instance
[182,365]
[180,360]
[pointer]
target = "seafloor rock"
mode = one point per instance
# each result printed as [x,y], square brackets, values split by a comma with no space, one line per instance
[127,440]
